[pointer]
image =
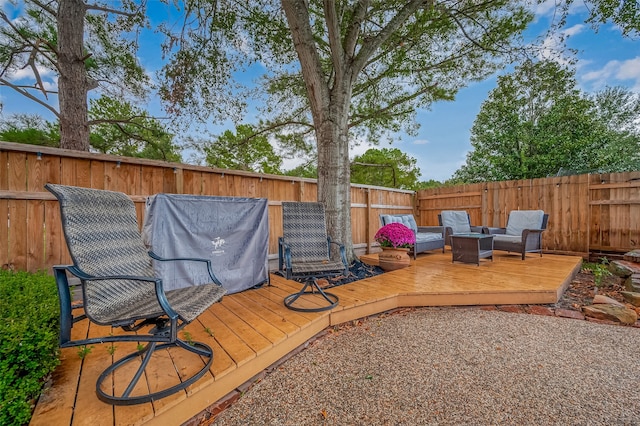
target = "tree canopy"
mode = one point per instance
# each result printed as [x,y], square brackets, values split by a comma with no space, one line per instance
[388,167]
[29,129]
[363,69]
[129,131]
[537,123]
[58,53]
[79,43]
[243,150]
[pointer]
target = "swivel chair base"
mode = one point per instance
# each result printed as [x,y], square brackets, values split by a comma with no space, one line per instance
[314,288]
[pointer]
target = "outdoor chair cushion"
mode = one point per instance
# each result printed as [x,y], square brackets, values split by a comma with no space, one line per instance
[520,220]
[507,238]
[423,237]
[405,219]
[457,220]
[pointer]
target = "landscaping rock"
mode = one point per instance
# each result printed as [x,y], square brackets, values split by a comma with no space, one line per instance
[631,297]
[569,313]
[611,313]
[632,283]
[604,300]
[623,268]
[632,256]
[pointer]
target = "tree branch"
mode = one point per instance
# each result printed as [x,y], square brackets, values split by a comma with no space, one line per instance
[351,38]
[122,121]
[28,42]
[464,32]
[333,27]
[45,7]
[280,124]
[398,101]
[370,46]
[108,10]
[30,96]
[297,16]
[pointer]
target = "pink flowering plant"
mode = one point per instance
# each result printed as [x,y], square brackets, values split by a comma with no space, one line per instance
[395,235]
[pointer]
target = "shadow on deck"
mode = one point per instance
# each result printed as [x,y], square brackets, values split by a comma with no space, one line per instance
[251,330]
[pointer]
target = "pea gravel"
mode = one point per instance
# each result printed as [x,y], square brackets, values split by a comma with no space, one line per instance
[454,366]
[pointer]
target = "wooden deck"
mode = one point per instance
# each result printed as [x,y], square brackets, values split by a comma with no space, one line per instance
[251,330]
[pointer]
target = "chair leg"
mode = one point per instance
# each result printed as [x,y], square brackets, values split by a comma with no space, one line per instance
[107,393]
[314,288]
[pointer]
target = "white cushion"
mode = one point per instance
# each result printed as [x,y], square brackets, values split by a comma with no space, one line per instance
[520,220]
[405,219]
[423,237]
[457,220]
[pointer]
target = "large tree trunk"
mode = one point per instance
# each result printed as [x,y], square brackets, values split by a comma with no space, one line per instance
[334,180]
[72,84]
[330,111]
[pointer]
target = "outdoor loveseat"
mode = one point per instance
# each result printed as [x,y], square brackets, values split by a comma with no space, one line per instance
[427,237]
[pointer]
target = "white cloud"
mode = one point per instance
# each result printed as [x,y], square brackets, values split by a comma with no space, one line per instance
[615,72]
[420,142]
[553,45]
[576,29]
[550,8]
[603,73]
[27,73]
[629,69]
[545,8]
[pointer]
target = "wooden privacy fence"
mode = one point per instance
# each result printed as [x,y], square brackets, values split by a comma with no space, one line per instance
[588,214]
[30,231]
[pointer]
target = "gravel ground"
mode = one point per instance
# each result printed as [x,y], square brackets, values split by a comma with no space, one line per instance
[454,366]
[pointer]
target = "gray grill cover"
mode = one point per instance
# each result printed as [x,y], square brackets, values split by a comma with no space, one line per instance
[231,231]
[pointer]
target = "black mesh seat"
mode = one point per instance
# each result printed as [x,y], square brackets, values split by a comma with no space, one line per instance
[306,252]
[119,288]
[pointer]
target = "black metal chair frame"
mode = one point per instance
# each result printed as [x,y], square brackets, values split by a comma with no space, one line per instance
[162,328]
[310,278]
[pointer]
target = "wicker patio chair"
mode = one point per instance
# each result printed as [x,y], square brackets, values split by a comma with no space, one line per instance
[427,237]
[306,252]
[523,233]
[119,289]
[456,222]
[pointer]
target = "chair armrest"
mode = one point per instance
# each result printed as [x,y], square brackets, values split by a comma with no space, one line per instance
[493,231]
[188,259]
[478,229]
[526,232]
[534,230]
[156,256]
[85,276]
[434,229]
[159,288]
[342,251]
[284,255]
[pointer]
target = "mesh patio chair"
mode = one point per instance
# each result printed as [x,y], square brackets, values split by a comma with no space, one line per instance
[456,222]
[306,252]
[523,233]
[119,289]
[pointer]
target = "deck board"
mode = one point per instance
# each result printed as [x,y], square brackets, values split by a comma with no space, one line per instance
[251,330]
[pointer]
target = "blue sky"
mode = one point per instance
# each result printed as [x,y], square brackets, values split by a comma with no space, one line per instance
[604,58]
